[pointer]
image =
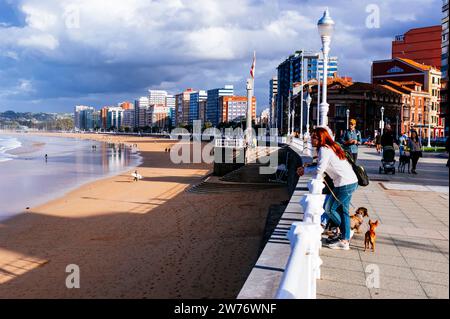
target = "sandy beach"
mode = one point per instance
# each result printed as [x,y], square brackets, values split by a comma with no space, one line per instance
[146,239]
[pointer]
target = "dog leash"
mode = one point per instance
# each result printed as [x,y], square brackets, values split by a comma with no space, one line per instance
[335,197]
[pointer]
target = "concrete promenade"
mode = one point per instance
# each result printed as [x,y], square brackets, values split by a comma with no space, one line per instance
[412,256]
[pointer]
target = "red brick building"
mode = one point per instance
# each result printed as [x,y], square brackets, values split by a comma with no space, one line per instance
[409,71]
[422,45]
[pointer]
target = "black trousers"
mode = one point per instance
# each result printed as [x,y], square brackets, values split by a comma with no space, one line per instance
[414,159]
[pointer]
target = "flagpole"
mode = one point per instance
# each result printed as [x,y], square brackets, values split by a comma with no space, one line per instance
[250,87]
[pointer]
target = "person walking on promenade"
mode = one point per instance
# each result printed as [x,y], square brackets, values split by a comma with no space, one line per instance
[387,139]
[378,142]
[351,139]
[135,175]
[333,162]
[415,149]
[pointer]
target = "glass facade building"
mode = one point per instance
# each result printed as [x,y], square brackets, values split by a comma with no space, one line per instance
[290,72]
[194,105]
[213,106]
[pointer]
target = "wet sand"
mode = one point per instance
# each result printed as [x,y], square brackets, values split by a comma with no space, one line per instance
[146,239]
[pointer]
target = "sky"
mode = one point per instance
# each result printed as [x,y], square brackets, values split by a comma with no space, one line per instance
[55,54]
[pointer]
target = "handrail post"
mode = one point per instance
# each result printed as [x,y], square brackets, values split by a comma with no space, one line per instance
[303,266]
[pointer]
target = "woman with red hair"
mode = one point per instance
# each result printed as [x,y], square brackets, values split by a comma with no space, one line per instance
[332,160]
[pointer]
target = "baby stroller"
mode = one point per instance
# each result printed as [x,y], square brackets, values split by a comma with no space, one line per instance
[388,160]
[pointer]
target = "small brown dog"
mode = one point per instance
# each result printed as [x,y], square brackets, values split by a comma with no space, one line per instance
[358,219]
[371,236]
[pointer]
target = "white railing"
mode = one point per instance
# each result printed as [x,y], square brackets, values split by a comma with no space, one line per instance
[303,266]
[234,143]
[304,148]
[273,139]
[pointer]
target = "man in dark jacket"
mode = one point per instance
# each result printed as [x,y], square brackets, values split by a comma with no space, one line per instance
[387,139]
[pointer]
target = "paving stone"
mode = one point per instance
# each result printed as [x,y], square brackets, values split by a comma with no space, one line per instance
[318,296]
[391,229]
[387,271]
[376,258]
[431,277]
[388,294]
[341,263]
[405,286]
[422,254]
[342,290]
[344,276]
[351,254]
[436,291]
[422,233]
[424,264]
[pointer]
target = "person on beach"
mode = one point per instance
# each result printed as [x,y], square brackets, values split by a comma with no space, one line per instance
[415,149]
[135,179]
[46,157]
[333,161]
[351,139]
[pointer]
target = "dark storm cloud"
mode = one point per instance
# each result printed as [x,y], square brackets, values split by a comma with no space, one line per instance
[122,48]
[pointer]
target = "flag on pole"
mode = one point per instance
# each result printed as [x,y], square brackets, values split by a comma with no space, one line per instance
[252,70]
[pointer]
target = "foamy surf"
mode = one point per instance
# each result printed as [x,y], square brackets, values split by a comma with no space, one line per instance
[8,144]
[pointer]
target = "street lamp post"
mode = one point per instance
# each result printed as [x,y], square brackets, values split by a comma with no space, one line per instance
[289,113]
[293,122]
[301,95]
[396,126]
[249,135]
[326,28]
[429,125]
[382,120]
[318,91]
[348,115]
[308,100]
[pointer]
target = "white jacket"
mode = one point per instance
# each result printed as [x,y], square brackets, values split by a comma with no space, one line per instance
[340,171]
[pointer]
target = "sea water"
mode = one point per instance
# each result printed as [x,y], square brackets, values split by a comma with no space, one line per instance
[29,178]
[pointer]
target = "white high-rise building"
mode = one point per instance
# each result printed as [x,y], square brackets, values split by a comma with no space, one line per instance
[115,117]
[157,97]
[140,108]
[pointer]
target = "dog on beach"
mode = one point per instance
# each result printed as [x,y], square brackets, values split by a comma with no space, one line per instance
[404,160]
[371,237]
[357,219]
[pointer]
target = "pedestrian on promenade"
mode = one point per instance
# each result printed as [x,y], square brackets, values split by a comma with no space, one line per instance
[351,139]
[415,149]
[135,175]
[387,139]
[333,162]
[378,142]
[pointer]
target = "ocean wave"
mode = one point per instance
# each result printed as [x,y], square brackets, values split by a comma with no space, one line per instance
[8,144]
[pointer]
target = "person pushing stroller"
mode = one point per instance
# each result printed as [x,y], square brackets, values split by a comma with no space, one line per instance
[388,153]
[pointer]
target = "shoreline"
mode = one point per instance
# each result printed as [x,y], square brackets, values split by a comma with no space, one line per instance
[30,148]
[145,239]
